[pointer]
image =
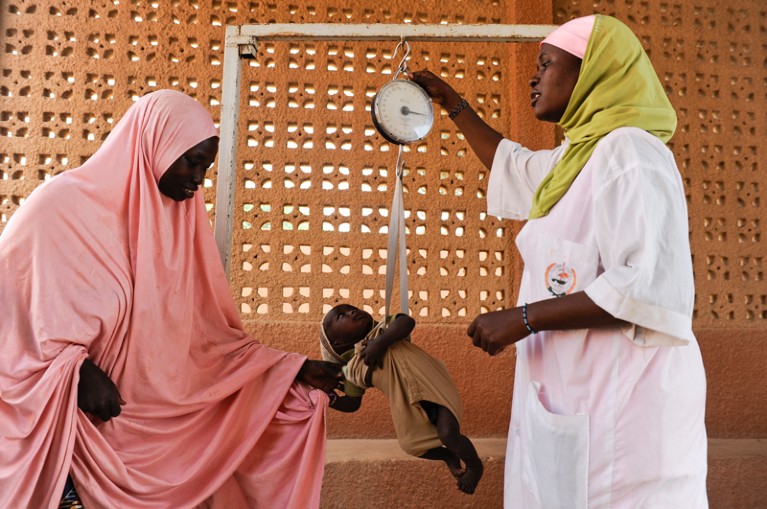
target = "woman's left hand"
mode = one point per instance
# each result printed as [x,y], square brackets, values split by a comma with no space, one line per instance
[322,375]
[97,394]
[439,91]
[493,332]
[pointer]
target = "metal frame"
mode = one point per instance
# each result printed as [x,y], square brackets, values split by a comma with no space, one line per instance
[242,43]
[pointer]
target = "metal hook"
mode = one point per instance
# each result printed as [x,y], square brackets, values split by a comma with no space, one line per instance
[403,63]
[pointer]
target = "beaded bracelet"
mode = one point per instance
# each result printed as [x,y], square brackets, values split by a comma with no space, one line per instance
[527,324]
[458,108]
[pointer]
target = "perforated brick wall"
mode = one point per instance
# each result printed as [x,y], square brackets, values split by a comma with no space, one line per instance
[315,180]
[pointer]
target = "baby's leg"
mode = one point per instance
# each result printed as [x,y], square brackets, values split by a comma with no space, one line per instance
[449,432]
[443,454]
[440,453]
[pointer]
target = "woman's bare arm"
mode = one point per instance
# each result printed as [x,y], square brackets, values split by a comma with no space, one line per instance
[493,332]
[482,138]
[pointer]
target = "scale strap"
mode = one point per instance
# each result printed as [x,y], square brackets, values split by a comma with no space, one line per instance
[397,236]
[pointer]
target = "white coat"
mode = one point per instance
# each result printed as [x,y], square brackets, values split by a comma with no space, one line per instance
[613,417]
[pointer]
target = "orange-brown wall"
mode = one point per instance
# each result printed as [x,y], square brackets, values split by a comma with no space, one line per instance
[69,71]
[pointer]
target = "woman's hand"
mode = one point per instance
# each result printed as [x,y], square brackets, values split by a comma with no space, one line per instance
[439,91]
[493,332]
[482,138]
[96,393]
[322,375]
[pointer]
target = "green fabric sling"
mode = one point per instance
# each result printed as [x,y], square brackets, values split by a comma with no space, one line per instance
[617,87]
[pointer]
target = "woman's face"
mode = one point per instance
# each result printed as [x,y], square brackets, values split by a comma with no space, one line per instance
[187,173]
[345,325]
[553,83]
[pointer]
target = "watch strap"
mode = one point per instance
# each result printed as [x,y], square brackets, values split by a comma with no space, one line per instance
[458,108]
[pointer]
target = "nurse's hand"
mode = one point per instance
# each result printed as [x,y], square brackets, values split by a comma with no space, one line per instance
[439,91]
[493,332]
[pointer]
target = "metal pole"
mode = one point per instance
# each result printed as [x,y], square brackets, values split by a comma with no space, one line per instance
[235,48]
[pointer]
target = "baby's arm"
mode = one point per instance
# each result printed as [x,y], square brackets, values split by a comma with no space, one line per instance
[345,403]
[398,329]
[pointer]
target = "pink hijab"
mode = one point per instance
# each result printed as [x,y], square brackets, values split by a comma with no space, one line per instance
[98,263]
[573,36]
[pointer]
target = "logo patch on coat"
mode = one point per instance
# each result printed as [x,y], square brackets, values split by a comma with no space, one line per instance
[560,279]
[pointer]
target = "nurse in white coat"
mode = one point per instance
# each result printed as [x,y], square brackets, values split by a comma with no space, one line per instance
[609,391]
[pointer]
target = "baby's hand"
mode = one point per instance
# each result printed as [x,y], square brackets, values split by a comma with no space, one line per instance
[372,354]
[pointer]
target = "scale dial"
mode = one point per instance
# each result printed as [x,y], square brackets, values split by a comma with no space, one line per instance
[402,112]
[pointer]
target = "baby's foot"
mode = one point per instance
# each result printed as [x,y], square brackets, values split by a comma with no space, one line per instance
[467,482]
[454,465]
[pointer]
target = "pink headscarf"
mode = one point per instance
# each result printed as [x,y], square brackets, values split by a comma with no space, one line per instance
[98,263]
[573,36]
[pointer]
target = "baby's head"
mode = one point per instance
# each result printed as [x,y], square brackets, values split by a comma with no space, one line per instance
[342,327]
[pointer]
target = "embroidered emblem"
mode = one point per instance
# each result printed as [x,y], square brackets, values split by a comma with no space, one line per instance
[560,279]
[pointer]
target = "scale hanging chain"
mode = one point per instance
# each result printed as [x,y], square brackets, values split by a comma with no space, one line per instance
[397,236]
[402,68]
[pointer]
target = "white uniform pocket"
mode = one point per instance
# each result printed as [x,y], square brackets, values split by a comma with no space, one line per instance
[555,468]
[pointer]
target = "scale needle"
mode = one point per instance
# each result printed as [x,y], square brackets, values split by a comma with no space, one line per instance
[407,111]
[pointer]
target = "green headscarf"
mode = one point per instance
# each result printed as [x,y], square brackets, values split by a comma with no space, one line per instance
[617,87]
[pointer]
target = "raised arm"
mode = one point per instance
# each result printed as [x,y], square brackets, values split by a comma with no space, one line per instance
[399,328]
[493,332]
[482,138]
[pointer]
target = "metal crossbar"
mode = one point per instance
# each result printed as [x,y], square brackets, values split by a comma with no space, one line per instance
[242,43]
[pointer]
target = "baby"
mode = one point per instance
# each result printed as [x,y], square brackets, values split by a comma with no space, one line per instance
[425,404]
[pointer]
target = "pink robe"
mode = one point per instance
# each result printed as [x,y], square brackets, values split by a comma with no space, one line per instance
[98,263]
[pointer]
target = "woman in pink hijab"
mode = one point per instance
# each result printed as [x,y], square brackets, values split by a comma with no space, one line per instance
[609,385]
[124,362]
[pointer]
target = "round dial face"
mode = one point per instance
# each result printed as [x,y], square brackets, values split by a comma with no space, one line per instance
[402,112]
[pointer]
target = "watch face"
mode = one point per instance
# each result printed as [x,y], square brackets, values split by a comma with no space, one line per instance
[402,112]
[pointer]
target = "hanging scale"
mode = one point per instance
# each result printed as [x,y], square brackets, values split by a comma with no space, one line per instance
[403,114]
[402,110]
